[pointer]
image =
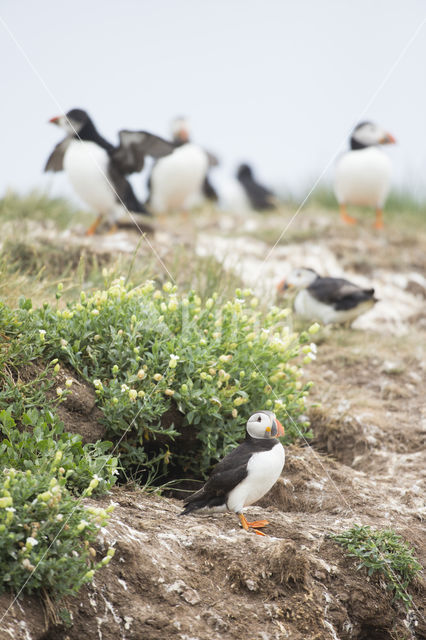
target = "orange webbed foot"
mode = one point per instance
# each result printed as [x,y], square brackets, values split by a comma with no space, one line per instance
[247,526]
[346,218]
[379,219]
[258,524]
[92,229]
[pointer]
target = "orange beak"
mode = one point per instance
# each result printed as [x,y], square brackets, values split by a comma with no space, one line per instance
[54,120]
[183,135]
[280,429]
[388,139]
[282,286]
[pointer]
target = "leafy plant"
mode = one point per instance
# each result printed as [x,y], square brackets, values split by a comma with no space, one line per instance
[45,534]
[175,377]
[43,439]
[384,551]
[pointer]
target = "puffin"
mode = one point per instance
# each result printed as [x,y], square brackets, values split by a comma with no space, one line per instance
[97,169]
[260,197]
[180,180]
[328,300]
[363,174]
[246,473]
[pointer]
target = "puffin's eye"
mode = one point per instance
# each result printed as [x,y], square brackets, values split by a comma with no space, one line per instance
[259,419]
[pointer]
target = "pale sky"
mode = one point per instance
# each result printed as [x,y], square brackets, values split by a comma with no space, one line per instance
[277,83]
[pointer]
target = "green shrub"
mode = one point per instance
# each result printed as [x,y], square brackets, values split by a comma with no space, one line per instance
[152,354]
[43,439]
[385,551]
[46,534]
[31,434]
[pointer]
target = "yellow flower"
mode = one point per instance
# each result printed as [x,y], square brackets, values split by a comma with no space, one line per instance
[173,361]
[172,306]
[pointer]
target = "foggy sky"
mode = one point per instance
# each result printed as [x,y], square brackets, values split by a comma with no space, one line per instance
[276,83]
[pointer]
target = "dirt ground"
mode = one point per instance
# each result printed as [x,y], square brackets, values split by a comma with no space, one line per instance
[202,577]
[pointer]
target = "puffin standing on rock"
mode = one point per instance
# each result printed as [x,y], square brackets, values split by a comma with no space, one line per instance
[329,300]
[246,473]
[362,175]
[97,170]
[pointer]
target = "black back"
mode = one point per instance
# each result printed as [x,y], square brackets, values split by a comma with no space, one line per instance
[339,293]
[260,197]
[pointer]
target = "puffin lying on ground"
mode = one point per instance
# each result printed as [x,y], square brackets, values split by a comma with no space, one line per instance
[180,181]
[362,175]
[328,300]
[260,198]
[246,473]
[97,169]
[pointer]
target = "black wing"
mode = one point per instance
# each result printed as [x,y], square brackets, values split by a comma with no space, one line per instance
[209,191]
[124,191]
[225,476]
[55,161]
[129,156]
[260,197]
[339,292]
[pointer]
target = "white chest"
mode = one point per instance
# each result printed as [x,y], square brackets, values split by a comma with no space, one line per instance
[264,469]
[86,165]
[177,179]
[362,177]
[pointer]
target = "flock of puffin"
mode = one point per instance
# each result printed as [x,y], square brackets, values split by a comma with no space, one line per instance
[179,180]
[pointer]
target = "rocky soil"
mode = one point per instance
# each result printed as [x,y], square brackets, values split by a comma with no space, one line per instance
[202,577]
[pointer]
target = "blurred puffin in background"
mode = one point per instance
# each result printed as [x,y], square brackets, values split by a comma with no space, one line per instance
[260,197]
[180,181]
[97,169]
[363,174]
[328,300]
[246,474]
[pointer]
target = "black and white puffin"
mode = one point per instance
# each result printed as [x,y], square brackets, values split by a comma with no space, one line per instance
[180,181]
[328,300]
[260,197]
[97,169]
[246,473]
[363,174]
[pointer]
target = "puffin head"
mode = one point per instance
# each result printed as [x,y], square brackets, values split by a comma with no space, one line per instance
[264,424]
[297,279]
[73,121]
[368,134]
[244,171]
[180,130]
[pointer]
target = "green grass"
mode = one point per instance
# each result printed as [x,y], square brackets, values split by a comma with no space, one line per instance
[402,206]
[41,207]
[385,552]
